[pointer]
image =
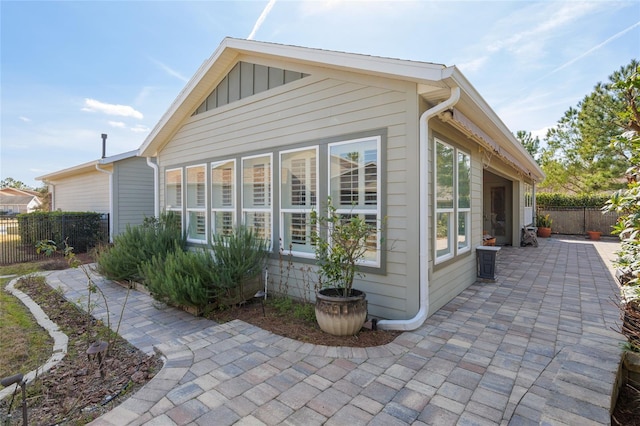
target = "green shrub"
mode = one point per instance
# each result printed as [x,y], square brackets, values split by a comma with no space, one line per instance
[81,230]
[545,199]
[203,277]
[139,244]
[239,256]
[182,278]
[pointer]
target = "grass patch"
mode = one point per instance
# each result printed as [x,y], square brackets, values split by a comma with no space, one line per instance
[30,344]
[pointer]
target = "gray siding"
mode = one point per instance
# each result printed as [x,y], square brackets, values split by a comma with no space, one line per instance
[319,107]
[133,193]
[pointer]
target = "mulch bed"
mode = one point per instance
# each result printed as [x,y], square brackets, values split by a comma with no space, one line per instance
[287,325]
[74,392]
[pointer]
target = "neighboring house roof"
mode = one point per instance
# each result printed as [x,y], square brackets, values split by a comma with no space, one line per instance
[86,167]
[434,83]
[15,191]
[16,199]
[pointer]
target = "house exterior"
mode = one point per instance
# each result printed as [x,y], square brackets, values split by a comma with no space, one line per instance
[14,201]
[264,133]
[120,186]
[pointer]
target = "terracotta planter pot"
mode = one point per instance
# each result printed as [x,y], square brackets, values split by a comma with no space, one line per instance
[544,232]
[339,315]
[594,235]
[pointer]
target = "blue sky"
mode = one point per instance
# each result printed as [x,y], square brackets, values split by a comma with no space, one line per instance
[72,70]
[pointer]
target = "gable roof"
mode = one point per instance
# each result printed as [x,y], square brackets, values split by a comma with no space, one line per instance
[433,81]
[86,167]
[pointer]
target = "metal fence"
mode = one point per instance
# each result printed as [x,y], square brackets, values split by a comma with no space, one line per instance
[579,220]
[18,244]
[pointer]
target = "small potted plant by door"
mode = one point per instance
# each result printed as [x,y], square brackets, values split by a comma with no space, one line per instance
[594,235]
[543,222]
[341,242]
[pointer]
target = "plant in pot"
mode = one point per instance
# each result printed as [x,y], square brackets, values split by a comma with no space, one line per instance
[543,222]
[341,242]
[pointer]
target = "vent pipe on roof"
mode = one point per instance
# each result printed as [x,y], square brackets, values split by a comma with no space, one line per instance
[104,145]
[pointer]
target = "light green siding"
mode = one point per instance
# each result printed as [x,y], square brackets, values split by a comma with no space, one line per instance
[319,108]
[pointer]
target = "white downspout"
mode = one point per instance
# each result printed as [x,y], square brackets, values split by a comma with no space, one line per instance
[156,193]
[52,190]
[423,311]
[110,199]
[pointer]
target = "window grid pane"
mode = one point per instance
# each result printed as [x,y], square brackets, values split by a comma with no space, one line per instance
[354,172]
[174,189]
[196,187]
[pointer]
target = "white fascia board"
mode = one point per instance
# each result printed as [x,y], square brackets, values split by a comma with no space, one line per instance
[118,157]
[75,170]
[408,70]
[231,48]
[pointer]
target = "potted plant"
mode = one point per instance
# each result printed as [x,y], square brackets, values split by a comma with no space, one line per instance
[543,222]
[341,242]
[594,235]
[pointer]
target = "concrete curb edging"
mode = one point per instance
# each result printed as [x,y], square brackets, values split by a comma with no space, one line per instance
[60,340]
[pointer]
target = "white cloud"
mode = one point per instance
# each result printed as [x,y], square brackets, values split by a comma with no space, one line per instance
[118,124]
[139,128]
[25,119]
[92,105]
[261,19]
[541,133]
[473,65]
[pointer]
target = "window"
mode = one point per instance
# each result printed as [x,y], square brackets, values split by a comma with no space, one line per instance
[256,194]
[453,201]
[173,182]
[223,197]
[196,204]
[354,185]
[298,196]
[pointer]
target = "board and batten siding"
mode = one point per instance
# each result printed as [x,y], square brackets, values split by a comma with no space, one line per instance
[325,105]
[87,192]
[133,193]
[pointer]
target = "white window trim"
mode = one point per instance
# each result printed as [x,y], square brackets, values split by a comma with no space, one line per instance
[452,235]
[182,194]
[233,209]
[259,210]
[202,209]
[307,211]
[353,211]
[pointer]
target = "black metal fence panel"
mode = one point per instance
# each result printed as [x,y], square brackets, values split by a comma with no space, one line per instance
[18,244]
[579,220]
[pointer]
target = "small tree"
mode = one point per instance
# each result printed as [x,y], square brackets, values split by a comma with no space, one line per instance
[341,242]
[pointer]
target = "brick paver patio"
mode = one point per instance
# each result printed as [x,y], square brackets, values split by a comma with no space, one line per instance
[534,347]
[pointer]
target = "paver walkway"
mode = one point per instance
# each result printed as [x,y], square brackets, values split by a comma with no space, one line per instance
[535,347]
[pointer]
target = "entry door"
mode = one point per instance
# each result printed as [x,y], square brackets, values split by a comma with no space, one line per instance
[499,223]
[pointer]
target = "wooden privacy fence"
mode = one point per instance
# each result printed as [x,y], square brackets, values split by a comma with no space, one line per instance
[15,249]
[579,220]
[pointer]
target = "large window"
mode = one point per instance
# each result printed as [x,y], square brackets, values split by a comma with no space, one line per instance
[256,194]
[223,197]
[298,196]
[354,185]
[173,193]
[213,198]
[453,201]
[196,203]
